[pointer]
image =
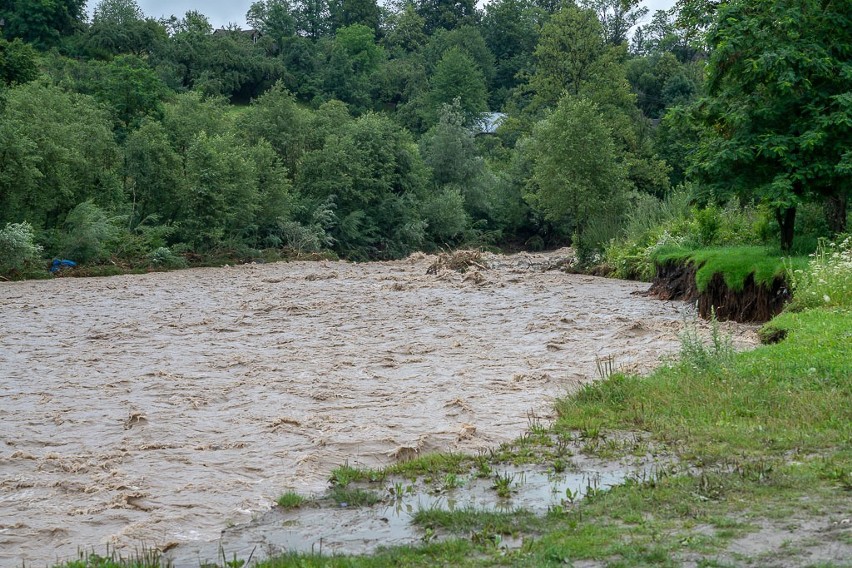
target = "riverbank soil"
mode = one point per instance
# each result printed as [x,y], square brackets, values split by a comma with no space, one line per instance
[754,302]
[157,409]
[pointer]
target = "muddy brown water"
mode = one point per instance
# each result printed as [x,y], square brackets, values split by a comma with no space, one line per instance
[157,409]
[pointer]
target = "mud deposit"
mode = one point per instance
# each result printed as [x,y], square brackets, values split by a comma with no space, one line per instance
[158,409]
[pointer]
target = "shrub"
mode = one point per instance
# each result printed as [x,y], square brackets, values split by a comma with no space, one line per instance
[20,251]
[164,257]
[88,233]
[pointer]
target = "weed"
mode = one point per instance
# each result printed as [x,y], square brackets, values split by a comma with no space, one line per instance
[346,497]
[503,484]
[398,490]
[700,356]
[346,474]
[290,500]
[482,466]
[827,281]
[452,481]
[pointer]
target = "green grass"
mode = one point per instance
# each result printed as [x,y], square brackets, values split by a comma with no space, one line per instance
[777,398]
[466,520]
[735,264]
[354,497]
[290,500]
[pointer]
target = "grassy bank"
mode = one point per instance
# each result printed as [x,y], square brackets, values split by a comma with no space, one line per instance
[735,264]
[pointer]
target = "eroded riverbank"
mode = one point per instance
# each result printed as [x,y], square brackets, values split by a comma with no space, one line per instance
[158,408]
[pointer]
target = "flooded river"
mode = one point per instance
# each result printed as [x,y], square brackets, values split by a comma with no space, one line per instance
[158,409]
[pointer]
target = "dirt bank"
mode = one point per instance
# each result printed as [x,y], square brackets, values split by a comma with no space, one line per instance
[754,303]
[159,408]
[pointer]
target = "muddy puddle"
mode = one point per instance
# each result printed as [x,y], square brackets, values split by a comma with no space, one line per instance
[343,529]
[158,409]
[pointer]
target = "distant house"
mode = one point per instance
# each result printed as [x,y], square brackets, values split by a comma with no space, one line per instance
[489,123]
[253,35]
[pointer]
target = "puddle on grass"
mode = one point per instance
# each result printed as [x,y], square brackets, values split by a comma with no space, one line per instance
[351,530]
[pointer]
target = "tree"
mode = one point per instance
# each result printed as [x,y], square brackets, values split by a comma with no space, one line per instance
[663,35]
[406,31]
[313,18]
[569,54]
[354,58]
[573,58]
[17,62]
[450,152]
[41,22]
[511,30]
[371,171]
[130,89]
[277,118]
[576,174]
[617,17]
[458,77]
[469,41]
[446,14]
[273,18]
[119,26]
[221,195]
[350,12]
[154,183]
[778,114]
[56,150]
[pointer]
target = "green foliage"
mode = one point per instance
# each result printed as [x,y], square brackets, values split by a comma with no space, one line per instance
[446,14]
[457,77]
[88,234]
[704,356]
[576,175]
[778,115]
[827,280]
[511,30]
[371,171]
[118,26]
[18,62]
[221,194]
[569,54]
[130,89]
[164,257]
[290,500]
[20,251]
[445,216]
[58,150]
[653,225]
[41,22]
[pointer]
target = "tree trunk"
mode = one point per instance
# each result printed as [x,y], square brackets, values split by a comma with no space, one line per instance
[787,221]
[835,212]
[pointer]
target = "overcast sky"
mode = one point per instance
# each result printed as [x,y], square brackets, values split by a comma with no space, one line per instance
[221,12]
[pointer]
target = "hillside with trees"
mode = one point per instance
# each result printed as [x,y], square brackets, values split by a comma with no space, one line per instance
[358,129]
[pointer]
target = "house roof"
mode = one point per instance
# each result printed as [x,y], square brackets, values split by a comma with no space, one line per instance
[489,122]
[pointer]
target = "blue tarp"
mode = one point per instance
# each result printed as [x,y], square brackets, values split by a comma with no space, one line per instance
[58,264]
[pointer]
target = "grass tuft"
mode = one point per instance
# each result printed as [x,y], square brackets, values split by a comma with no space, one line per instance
[290,500]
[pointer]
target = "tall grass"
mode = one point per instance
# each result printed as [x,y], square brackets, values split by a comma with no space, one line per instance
[827,282]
